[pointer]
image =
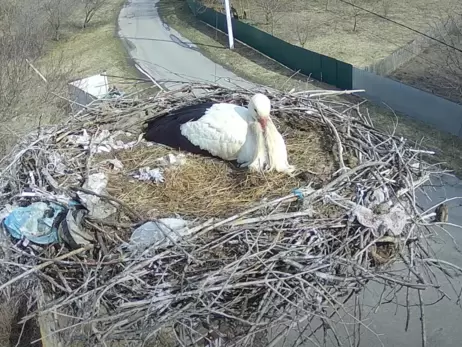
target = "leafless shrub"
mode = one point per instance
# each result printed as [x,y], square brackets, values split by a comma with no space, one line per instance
[24,30]
[273,11]
[355,12]
[90,8]
[21,38]
[302,29]
[203,5]
[386,5]
[450,33]
[57,12]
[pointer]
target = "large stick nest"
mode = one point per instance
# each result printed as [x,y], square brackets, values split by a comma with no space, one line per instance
[261,252]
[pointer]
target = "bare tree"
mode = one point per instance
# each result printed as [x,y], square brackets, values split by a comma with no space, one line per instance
[57,13]
[272,10]
[90,8]
[386,5]
[302,29]
[351,10]
[449,31]
[355,11]
[21,38]
[24,31]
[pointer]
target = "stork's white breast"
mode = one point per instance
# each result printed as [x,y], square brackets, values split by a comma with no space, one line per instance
[221,131]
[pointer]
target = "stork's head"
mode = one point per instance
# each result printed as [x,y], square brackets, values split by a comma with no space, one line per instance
[260,108]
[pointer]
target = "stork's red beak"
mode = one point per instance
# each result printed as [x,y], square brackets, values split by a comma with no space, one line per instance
[263,121]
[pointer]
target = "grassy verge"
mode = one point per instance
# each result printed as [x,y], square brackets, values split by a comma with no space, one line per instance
[249,64]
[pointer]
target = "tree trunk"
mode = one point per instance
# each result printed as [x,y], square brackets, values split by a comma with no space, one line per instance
[57,34]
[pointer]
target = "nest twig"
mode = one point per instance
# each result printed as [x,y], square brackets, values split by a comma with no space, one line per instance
[295,259]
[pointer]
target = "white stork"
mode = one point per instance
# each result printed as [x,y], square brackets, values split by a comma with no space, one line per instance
[227,131]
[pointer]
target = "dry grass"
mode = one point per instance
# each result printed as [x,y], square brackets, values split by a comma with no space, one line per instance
[436,79]
[331,27]
[207,187]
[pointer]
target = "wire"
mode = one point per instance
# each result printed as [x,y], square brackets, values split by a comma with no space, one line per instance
[403,25]
[371,34]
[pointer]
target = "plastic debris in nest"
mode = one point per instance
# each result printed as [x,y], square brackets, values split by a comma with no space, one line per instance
[36,222]
[71,231]
[161,233]
[171,160]
[148,174]
[157,174]
[103,142]
[97,207]
[45,223]
[56,164]
[112,164]
[391,220]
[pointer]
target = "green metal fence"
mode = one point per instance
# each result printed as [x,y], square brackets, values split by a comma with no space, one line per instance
[318,66]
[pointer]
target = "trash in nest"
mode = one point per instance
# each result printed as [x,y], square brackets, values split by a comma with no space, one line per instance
[391,221]
[36,222]
[156,174]
[376,197]
[72,232]
[56,164]
[104,142]
[114,164]
[172,160]
[148,174]
[114,93]
[46,223]
[159,233]
[98,208]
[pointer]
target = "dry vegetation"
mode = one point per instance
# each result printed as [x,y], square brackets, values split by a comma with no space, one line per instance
[438,69]
[342,31]
[49,34]
[309,148]
[347,33]
[253,66]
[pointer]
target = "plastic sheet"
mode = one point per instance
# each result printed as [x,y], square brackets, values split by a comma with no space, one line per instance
[36,222]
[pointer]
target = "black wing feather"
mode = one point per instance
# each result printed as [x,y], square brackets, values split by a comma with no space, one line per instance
[166,129]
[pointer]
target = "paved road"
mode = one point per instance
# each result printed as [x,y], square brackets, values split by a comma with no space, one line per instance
[167,56]
[163,53]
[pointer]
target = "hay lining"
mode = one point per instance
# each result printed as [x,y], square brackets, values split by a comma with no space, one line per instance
[284,263]
[205,187]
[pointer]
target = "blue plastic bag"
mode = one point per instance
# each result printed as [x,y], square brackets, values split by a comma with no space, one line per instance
[35,222]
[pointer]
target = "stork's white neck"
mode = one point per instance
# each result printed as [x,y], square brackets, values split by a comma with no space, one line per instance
[270,152]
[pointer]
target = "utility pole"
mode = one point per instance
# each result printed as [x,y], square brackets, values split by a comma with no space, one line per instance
[229,24]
